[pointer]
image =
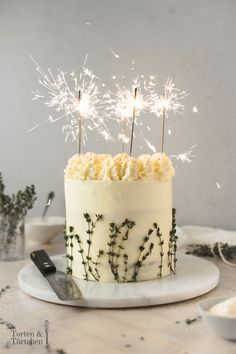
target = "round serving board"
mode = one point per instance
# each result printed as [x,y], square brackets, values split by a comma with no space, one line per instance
[195,276]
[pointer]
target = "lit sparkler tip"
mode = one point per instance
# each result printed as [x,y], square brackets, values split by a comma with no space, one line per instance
[62,90]
[195,109]
[123,138]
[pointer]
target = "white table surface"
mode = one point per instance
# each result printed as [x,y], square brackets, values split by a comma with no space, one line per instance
[149,330]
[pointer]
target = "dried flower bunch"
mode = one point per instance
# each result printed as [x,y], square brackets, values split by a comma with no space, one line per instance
[18,204]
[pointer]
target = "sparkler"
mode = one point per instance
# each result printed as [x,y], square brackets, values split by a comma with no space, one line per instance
[168,101]
[123,105]
[80,105]
[80,124]
[133,120]
[72,96]
[163,118]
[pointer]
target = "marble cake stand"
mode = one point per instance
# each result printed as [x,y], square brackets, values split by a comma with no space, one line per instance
[195,276]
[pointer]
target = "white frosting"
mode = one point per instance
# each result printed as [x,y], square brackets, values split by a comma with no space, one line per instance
[119,188]
[144,202]
[121,167]
[225,308]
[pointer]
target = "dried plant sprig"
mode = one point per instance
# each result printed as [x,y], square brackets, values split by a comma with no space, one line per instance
[161,243]
[19,204]
[142,258]
[115,249]
[172,244]
[90,230]
[81,251]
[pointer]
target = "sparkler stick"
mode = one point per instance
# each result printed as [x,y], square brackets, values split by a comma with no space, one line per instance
[133,120]
[163,118]
[80,124]
[170,101]
[124,131]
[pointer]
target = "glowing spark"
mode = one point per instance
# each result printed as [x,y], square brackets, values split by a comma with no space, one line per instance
[169,101]
[186,156]
[114,77]
[124,139]
[151,147]
[169,131]
[62,95]
[88,23]
[122,102]
[195,110]
[218,185]
[113,52]
[85,62]
[33,128]
[36,95]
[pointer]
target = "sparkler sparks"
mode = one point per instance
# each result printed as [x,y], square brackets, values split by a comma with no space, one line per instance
[33,128]
[170,100]
[151,147]
[62,95]
[185,157]
[81,104]
[113,52]
[125,104]
[218,185]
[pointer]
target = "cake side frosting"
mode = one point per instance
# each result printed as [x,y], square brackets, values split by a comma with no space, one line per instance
[119,218]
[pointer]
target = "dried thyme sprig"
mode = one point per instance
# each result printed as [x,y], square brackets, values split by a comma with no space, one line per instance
[13,209]
[90,230]
[161,243]
[125,258]
[141,258]
[18,205]
[129,224]
[69,249]
[4,289]
[81,251]
[204,250]
[114,232]
[172,244]
[114,254]
[96,263]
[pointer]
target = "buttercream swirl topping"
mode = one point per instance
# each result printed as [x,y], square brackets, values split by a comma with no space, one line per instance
[121,167]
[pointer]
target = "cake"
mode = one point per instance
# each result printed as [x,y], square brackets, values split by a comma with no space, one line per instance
[120,224]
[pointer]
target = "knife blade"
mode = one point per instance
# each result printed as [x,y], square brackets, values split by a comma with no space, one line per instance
[63,284]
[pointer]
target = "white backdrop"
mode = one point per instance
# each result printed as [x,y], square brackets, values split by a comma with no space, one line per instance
[192,41]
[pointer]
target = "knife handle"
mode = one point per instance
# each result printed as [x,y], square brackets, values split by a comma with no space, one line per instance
[43,262]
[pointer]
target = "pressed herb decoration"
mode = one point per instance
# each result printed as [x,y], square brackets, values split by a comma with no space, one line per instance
[12,213]
[115,253]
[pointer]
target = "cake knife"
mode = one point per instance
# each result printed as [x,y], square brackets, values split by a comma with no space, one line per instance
[63,284]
